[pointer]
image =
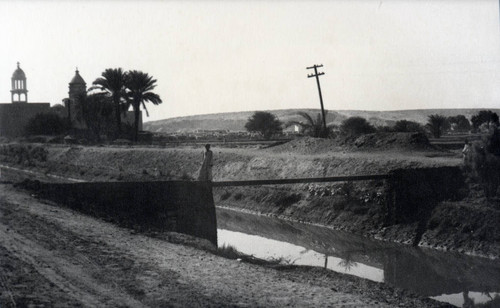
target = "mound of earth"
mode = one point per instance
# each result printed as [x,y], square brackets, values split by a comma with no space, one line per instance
[412,141]
[379,141]
[308,145]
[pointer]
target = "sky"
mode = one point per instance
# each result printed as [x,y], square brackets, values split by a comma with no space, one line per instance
[227,56]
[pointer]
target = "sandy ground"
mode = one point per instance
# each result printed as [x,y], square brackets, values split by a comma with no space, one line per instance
[55,257]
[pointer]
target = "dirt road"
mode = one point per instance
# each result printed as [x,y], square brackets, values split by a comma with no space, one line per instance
[55,257]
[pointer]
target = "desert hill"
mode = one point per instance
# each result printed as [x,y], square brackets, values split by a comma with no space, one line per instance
[235,121]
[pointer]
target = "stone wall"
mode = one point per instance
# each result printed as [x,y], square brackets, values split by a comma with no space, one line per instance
[179,206]
[14,117]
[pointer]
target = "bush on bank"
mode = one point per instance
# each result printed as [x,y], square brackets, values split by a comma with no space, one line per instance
[23,154]
[482,164]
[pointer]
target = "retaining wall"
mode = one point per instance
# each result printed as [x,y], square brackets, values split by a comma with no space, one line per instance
[413,193]
[179,206]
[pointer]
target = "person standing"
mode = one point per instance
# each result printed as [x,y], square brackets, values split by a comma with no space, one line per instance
[206,167]
[466,150]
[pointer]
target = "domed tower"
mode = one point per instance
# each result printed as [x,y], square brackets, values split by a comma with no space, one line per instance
[77,88]
[19,92]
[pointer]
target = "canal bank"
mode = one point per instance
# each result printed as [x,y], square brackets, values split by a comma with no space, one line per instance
[468,226]
[54,256]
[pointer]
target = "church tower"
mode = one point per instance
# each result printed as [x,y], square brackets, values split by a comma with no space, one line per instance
[77,88]
[19,92]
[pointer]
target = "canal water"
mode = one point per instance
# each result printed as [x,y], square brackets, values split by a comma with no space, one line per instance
[453,278]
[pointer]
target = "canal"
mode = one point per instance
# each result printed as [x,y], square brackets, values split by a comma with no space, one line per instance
[448,277]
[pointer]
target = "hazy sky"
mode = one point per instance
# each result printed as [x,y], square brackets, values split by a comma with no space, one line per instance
[221,56]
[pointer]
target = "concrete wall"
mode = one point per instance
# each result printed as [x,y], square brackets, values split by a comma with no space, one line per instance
[180,206]
[14,117]
[413,193]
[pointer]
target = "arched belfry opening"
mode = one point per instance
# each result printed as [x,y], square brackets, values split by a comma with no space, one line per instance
[19,92]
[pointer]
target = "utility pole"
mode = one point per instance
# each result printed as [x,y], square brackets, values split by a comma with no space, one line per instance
[316,74]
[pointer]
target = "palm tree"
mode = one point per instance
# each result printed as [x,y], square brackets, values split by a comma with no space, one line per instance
[113,83]
[95,111]
[436,124]
[139,87]
[311,127]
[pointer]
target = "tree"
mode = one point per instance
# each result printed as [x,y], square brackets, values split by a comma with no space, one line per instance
[139,91]
[406,126]
[112,82]
[354,126]
[60,110]
[484,116]
[45,124]
[264,123]
[96,111]
[311,127]
[436,124]
[459,123]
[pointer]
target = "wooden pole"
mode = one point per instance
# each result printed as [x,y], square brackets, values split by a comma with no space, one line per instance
[316,74]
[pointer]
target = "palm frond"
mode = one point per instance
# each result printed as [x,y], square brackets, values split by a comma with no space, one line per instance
[307,117]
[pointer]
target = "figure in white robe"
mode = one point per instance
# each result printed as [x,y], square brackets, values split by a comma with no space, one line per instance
[206,167]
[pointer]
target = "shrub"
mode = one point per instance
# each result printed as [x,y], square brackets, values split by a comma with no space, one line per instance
[347,189]
[459,123]
[46,124]
[22,154]
[483,164]
[354,126]
[484,116]
[265,123]
[405,126]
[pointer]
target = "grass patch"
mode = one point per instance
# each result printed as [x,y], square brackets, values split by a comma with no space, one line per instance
[229,252]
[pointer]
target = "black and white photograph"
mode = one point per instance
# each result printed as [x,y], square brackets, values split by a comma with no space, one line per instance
[259,153]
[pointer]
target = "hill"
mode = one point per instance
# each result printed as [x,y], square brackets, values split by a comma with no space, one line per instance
[235,121]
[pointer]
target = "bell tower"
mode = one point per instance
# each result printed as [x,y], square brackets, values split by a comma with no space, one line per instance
[19,92]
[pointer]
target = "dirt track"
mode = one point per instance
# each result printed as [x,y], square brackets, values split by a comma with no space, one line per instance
[52,256]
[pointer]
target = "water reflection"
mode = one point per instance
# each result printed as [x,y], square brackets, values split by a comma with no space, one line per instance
[262,247]
[456,279]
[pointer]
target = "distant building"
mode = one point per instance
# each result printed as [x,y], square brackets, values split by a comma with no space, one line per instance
[19,86]
[15,115]
[78,89]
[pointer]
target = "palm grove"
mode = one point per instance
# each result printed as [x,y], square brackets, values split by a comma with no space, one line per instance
[101,108]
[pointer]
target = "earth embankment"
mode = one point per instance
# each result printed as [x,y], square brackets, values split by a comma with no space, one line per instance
[356,207]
